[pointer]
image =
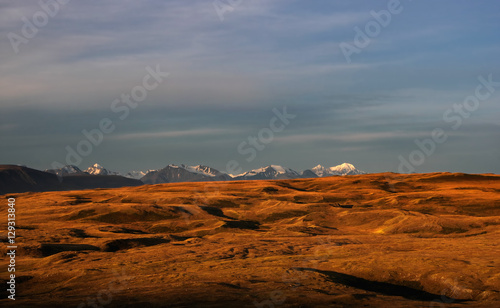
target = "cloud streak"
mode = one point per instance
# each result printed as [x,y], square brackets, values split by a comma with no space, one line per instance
[174,134]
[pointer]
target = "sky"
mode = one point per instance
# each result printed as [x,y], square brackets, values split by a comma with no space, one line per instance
[401,86]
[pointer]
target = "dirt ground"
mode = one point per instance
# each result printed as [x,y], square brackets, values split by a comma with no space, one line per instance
[420,240]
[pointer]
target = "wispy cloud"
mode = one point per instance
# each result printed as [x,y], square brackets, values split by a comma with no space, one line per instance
[174,134]
[351,137]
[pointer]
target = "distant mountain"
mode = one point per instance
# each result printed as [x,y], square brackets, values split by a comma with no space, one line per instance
[204,170]
[17,179]
[136,174]
[346,169]
[271,172]
[309,174]
[183,173]
[343,169]
[97,169]
[88,181]
[21,179]
[66,170]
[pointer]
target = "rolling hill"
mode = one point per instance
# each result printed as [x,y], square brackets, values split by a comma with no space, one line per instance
[419,240]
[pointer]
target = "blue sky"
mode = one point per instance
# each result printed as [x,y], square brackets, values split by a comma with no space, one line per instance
[227,76]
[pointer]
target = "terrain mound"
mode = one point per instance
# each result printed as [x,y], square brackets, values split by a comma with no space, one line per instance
[373,240]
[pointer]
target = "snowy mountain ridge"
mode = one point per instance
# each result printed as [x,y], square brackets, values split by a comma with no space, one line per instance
[184,173]
[342,169]
[97,169]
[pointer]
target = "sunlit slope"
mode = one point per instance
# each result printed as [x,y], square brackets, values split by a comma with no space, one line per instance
[408,240]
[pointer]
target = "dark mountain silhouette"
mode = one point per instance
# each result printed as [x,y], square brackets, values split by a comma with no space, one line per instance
[182,173]
[18,179]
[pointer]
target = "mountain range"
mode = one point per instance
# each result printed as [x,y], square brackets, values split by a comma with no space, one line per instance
[15,179]
[183,173]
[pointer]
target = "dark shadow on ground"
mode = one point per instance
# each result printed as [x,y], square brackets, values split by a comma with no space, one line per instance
[384,288]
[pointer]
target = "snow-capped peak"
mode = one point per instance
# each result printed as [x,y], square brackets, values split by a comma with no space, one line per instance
[277,168]
[320,171]
[205,170]
[68,169]
[97,169]
[135,174]
[280,169]
[269,172]
[199,169]
[342,169]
